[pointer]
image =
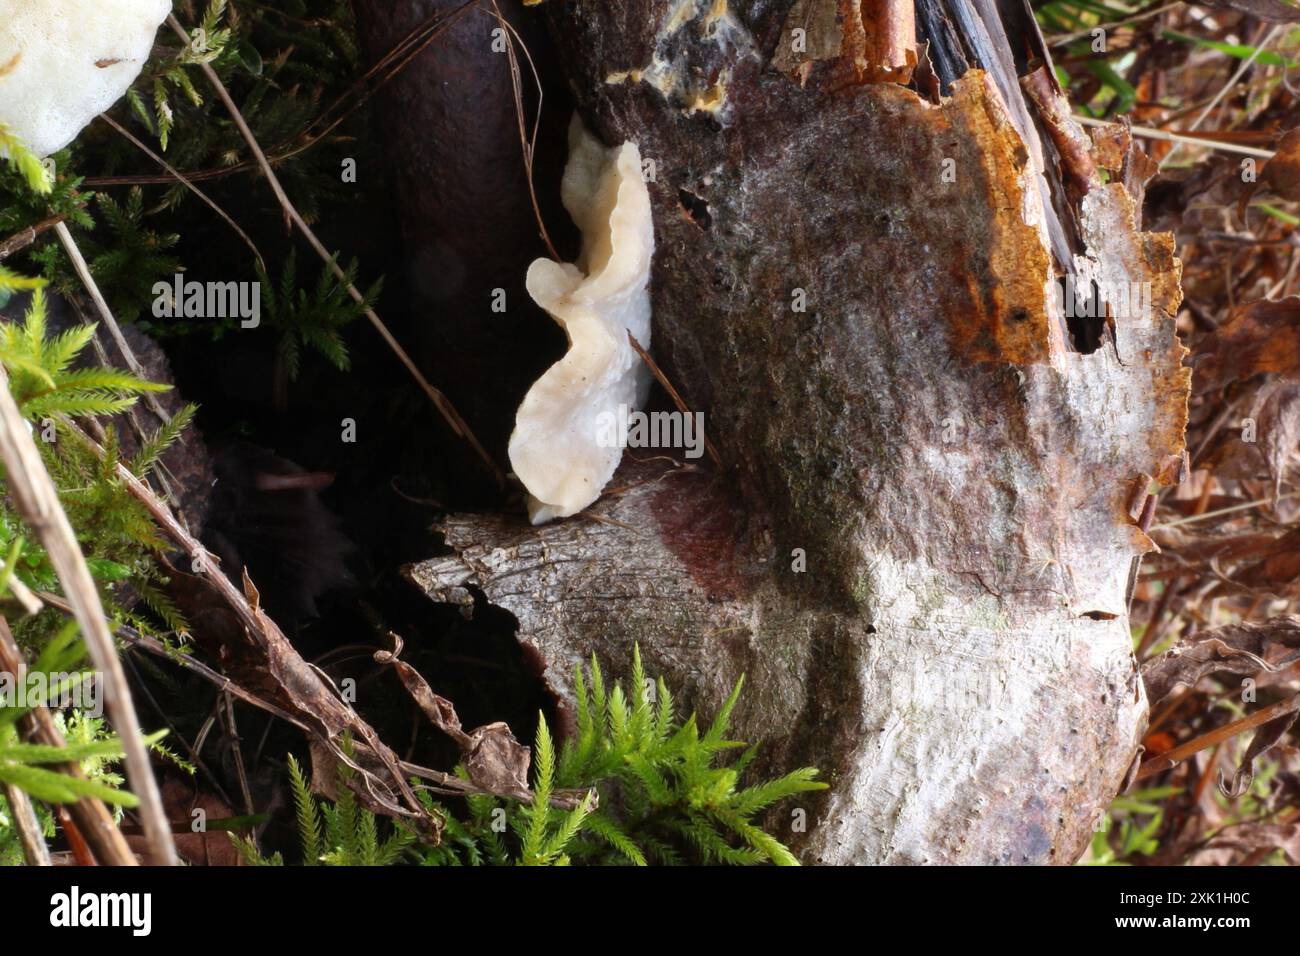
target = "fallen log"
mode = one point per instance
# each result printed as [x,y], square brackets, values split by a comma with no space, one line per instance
[936,469]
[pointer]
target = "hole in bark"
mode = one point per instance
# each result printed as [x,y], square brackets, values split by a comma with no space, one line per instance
[1100,615]
[1085,313]
[695,208]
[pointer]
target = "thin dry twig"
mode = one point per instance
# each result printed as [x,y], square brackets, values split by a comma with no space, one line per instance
[237,750]
[1218,735]
[30,836]
[220,681]
[439,400]
[256,622]
[1150,132]
[1220,512]
[106,314]
[446,783]
[1246,64]
[672,392]
[21,240]
[180,177]
[1062,39]
[266,634]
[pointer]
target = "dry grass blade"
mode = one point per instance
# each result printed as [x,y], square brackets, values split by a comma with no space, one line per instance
[1246,64]
[1146,13]
[527,141]
[1205,141]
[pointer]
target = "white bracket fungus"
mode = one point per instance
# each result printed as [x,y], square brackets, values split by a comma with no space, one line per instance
[565,447]
[63,62]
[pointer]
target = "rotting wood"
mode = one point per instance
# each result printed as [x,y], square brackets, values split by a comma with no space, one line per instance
[927,433]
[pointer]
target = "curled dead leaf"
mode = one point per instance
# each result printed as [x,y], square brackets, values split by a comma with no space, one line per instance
[440,711]
[496,761]
[1253,836]
[1277,569]
[1266,737]
[1242,649]
[493,759]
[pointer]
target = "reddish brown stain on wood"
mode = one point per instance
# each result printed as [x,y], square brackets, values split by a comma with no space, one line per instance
[702,532]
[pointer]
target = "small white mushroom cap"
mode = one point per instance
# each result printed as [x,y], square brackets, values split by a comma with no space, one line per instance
[561,448]
[63,62]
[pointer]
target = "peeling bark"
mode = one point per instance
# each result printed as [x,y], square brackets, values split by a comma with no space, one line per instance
[924,432]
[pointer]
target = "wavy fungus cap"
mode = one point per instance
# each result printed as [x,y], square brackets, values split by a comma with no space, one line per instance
[565,446]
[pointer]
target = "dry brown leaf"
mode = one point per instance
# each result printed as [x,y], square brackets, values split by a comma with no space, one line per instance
[1278,415]
[1282,172]
[182,796]
[1243,649]
[1252,836]
[1266,737]
[1277,569]
[440,711]
[1258,337]
[496,761]
[255,654]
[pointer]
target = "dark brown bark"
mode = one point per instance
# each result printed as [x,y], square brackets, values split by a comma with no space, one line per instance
[450,127]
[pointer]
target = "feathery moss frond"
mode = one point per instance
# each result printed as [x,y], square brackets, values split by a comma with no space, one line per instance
[27,163]
[667,795]
[306,813]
